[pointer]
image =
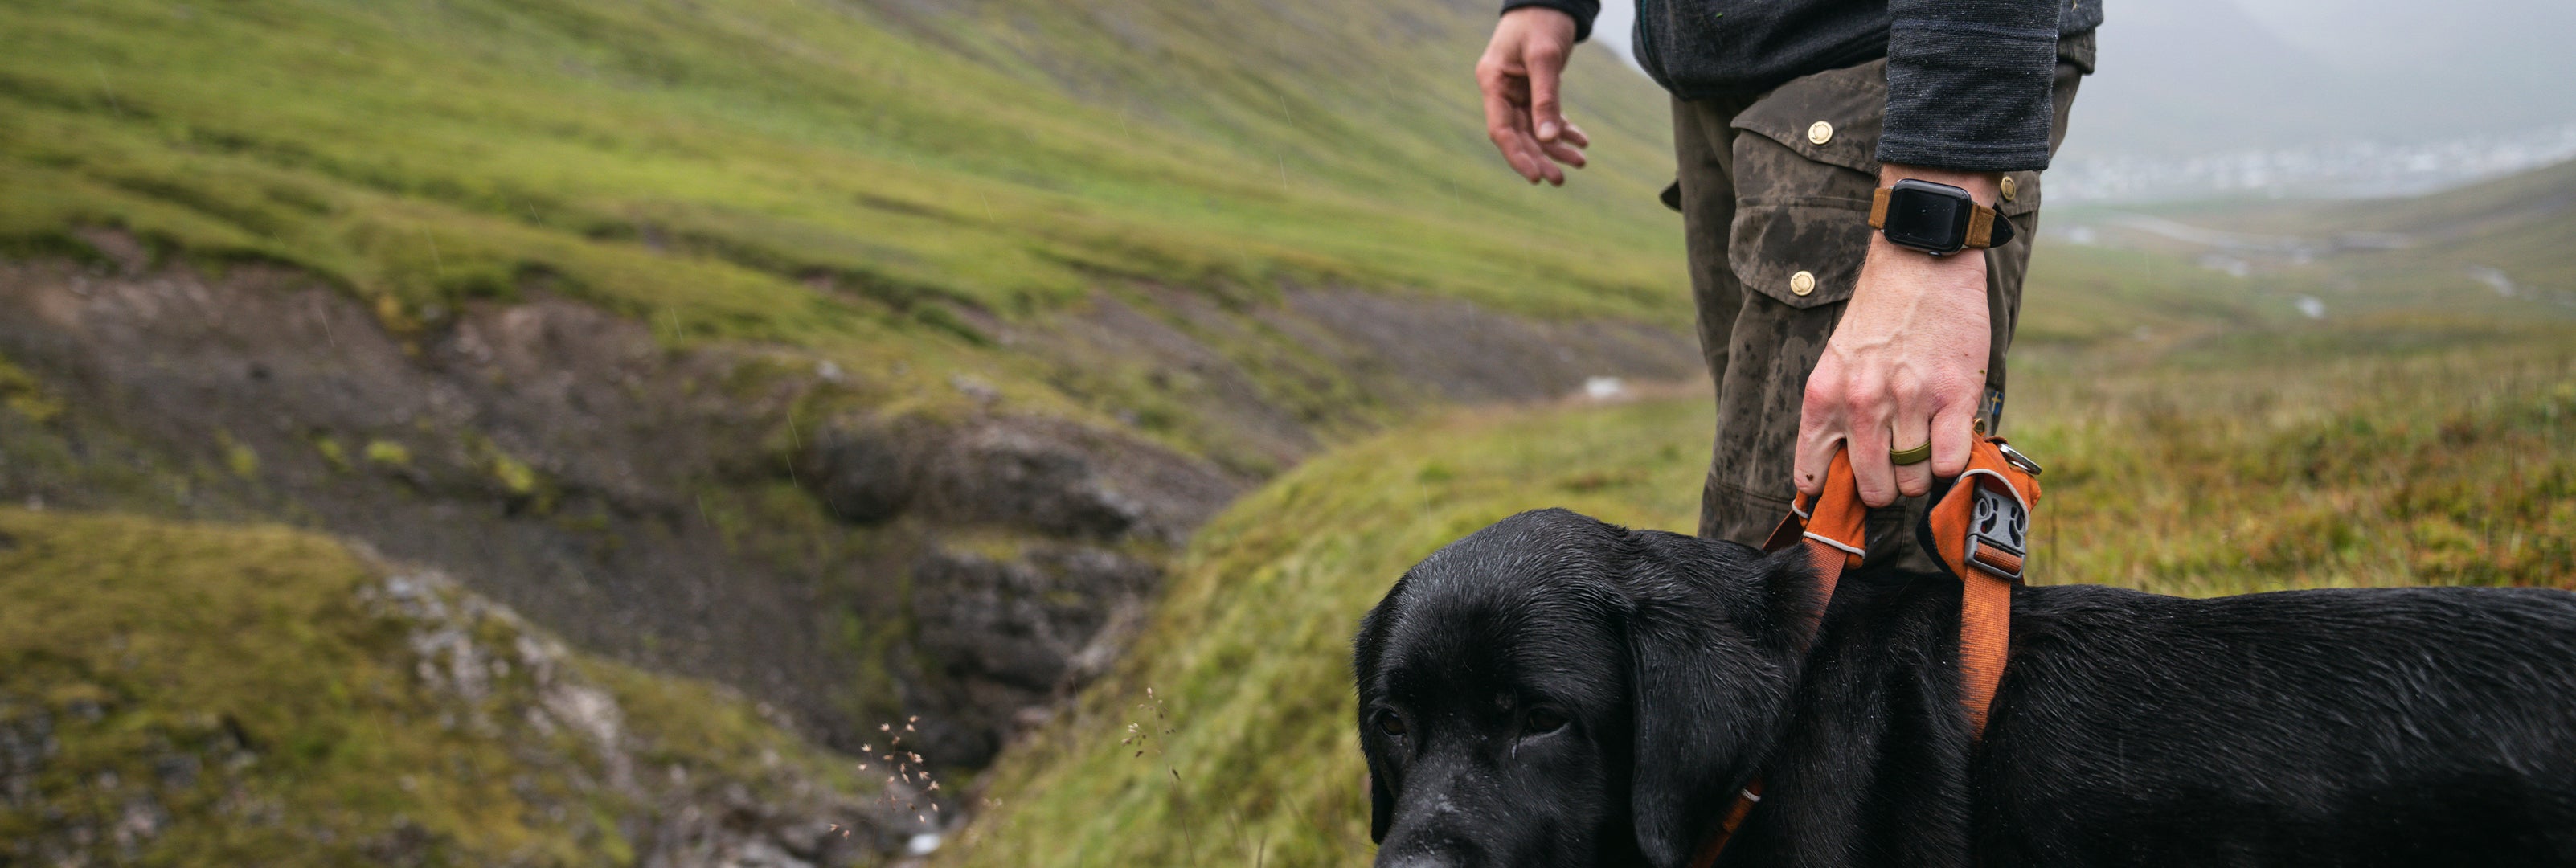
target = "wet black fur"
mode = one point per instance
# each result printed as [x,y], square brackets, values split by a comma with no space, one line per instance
[2332,727]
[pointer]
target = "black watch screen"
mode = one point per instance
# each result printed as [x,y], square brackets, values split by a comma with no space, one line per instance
[1929,217]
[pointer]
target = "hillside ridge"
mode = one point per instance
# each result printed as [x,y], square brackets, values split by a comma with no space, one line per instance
[768,341]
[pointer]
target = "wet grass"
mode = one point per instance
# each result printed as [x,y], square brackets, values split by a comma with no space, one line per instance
[2246,465]
[2448,458]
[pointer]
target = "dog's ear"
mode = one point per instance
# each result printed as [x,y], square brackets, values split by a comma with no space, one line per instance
[1381,809]
[1365,651]
[1708,678]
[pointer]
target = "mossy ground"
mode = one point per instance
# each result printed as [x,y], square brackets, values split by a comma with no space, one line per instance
[2444,458]
[704,166]
[184,693]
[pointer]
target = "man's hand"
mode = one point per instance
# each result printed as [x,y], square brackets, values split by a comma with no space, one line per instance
[1905,365]
[1519,74]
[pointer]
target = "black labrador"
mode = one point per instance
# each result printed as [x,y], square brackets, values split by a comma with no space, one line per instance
[1555,691]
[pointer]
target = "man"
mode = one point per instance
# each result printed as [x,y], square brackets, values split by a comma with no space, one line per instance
[1789,116]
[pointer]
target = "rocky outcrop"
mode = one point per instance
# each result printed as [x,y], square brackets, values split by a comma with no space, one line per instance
[565,463]
[1047,476]
[467,647]
[598,761]
[552,454]
[1016,604]
[966,560]
[1006,636]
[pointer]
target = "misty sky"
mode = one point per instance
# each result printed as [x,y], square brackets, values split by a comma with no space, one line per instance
[2202,76]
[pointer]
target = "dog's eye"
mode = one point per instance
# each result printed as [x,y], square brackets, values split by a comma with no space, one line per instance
[1541,721]
[1390,724]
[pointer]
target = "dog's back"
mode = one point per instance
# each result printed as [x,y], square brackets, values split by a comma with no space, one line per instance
[2320,727]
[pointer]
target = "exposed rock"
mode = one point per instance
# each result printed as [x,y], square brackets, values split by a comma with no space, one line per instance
[554,453]
[577,470]
[1011,476]
[1046,475]
[693,820]
[1004,635]
[867,469]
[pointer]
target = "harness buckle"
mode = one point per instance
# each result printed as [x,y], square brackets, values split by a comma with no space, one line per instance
[1998,533]
[2015,458]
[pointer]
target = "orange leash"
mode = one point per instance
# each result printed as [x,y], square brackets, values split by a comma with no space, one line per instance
[1980,527]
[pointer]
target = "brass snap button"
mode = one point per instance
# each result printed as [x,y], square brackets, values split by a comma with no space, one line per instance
[1802,283]
[2008,188]
[1820,133]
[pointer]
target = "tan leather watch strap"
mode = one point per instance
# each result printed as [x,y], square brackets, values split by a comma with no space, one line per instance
[1981,219]
[1981,227]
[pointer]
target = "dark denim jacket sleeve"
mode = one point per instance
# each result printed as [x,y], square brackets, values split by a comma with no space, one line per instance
[1582,10]
[1968,83]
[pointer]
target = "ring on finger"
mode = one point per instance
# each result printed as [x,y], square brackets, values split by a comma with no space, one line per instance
[1916,455]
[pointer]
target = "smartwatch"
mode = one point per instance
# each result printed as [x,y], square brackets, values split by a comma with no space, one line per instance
[1938,219]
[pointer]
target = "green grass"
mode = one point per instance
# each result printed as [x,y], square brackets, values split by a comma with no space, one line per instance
[2093,299]
[1249,654]
[698,164]
[2409,453]
[2518,225]
[875,183]
[2238,468]
[249,692]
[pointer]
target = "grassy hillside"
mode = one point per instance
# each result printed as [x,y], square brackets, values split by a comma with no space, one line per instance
[707,166]
[2236,467]
[899,297]
[201,694]
[2490,251]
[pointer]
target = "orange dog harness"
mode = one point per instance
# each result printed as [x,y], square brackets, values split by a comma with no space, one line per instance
[1980,528]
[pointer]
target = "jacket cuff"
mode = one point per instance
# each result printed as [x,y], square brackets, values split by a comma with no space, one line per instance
[1969,96]
[1583,12]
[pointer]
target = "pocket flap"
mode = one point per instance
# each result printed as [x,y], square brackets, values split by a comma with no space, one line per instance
[1850,103]
[2025,194]
[1775,241]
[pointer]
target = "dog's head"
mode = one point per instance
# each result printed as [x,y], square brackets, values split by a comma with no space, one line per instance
[1555,691]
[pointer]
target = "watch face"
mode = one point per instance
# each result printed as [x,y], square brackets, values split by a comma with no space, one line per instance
[1927,216]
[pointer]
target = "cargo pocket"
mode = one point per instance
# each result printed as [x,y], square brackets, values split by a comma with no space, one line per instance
[1803,179]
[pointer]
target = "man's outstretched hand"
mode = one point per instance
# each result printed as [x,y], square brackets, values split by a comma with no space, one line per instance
[1905,366]
[1519,75]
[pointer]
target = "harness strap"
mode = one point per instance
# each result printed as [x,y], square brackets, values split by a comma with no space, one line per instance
[1979,526]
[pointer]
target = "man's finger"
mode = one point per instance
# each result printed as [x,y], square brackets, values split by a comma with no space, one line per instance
[1545,63]
[1501,118]
[1872,475]
[1564,152]
[1535,152]
[1912,480]
[1574,134]
[1953,437]
[1820,432]
[1910,427]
